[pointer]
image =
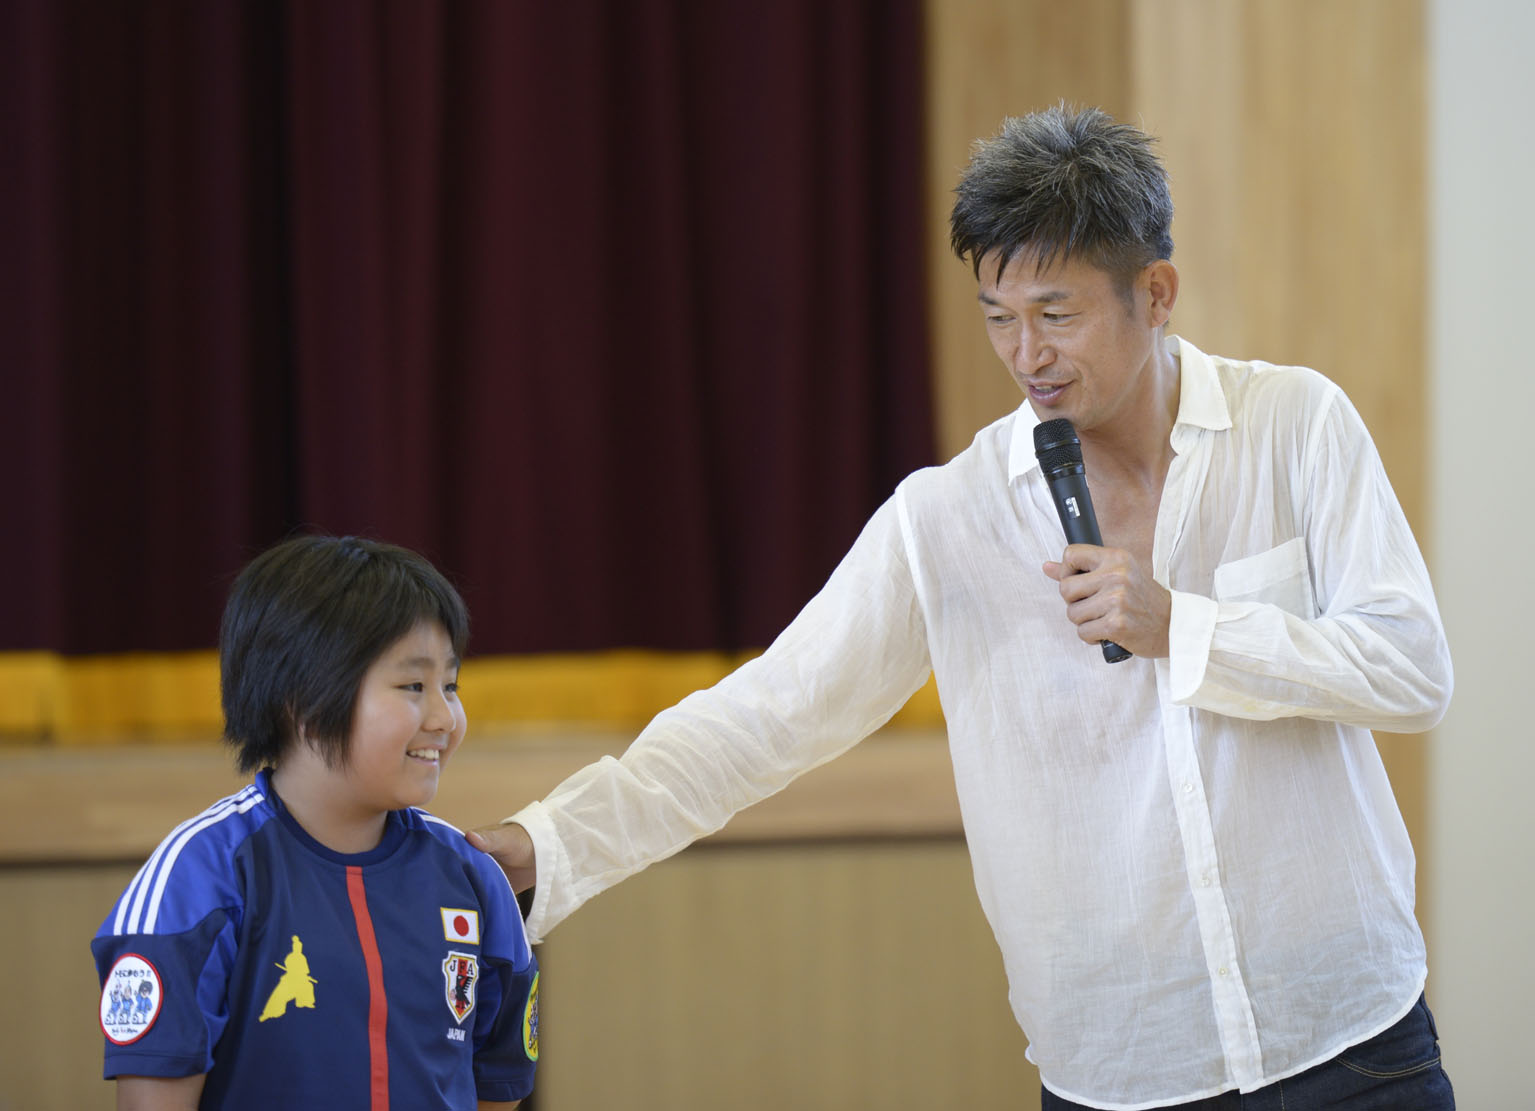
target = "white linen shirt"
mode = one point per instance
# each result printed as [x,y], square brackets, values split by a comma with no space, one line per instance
[1195,867]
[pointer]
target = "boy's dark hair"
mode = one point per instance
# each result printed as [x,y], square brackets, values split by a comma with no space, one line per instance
[1064,183]
[304,622]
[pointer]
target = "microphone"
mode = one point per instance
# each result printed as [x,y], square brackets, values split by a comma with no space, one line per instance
[1060,459]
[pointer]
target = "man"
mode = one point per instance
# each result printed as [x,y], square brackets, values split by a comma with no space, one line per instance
[1192,860]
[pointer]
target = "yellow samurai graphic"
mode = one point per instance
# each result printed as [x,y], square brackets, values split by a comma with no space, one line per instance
[296,985]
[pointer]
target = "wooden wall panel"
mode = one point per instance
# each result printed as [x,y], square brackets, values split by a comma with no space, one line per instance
[1294,133]
[854,976]
[50,1033]
[1295,137]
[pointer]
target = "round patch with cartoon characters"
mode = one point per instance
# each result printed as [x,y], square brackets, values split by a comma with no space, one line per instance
[130,999]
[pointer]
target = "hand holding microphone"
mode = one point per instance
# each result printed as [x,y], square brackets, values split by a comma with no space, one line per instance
[1060,459]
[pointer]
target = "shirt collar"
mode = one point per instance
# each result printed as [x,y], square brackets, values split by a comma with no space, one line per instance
[1201,405]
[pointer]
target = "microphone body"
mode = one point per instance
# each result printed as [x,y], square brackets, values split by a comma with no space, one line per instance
[1060,460]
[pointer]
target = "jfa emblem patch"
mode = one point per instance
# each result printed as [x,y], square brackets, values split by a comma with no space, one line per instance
[461,970]
[130,999]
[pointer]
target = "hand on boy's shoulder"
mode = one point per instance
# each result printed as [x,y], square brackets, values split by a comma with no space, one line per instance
[512,848]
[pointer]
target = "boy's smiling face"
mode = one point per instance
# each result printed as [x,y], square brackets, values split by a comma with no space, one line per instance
[407,722]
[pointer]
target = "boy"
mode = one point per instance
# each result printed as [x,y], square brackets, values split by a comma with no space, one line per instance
[315,940]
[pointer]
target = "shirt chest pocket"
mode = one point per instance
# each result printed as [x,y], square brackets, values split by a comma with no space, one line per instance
[1278,577]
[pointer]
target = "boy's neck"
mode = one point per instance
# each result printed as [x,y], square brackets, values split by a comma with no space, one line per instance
[310,799]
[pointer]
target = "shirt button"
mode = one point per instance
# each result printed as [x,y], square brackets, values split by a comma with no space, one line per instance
[1188,788]
[1223,972]
[1205,879]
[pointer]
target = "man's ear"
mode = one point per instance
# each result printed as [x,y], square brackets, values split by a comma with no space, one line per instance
[1161,284]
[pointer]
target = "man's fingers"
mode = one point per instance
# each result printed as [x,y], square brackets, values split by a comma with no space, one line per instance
[1083,557]
[486,840]
[512,848]
[1109,596]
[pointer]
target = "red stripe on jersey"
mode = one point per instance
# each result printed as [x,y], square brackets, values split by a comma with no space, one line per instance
[378,1003]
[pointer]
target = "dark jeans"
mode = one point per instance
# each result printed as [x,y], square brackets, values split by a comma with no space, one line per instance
[1396,1070]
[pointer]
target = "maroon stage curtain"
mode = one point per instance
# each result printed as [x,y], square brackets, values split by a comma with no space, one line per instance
[615,310]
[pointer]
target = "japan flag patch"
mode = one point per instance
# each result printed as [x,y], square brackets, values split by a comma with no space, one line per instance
[130,999]
[462,926]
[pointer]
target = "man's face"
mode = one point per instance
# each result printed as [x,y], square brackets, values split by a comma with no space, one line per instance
[1071,340]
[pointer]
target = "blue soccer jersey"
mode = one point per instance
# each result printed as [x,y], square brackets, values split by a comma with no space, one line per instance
[298,977]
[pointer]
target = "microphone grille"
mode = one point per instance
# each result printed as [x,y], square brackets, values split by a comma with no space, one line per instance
[1056,444]
[1055,459]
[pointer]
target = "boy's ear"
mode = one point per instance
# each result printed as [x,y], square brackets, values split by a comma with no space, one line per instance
[334,755]
[297,733]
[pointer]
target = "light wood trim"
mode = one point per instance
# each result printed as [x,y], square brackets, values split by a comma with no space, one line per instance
[116,803]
